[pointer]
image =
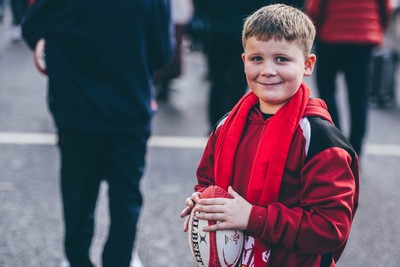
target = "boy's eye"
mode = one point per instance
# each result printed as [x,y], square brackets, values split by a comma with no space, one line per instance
[281,59]
[256,58]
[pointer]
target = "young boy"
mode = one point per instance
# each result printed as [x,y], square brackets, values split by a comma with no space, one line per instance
[292,174]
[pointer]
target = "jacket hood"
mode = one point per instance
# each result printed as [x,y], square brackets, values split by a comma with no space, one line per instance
[316,107]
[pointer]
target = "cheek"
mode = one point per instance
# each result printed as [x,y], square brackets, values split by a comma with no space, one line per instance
[250,72]
[292,74]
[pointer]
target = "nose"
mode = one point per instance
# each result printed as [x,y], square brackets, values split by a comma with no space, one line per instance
[268,69]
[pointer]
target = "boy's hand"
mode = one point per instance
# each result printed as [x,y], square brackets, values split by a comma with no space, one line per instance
[232,214]
[190,201]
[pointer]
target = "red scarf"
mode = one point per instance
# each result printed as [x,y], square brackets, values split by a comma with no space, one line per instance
[270,159]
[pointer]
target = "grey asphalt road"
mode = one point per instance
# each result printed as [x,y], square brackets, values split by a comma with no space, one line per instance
[30,210]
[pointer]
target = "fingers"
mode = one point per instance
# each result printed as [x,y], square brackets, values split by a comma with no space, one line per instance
[210,216]
[215,227]
[232,192]
[212,201]
[211,206]
[185,212]
[186,224]
[190,202]
[195,197]
[222,210]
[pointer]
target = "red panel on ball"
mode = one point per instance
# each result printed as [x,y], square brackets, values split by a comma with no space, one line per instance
[214,191]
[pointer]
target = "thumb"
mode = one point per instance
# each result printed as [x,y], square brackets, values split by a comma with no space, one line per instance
[232,192]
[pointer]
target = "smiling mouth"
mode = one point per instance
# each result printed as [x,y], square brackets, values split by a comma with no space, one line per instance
[270,83]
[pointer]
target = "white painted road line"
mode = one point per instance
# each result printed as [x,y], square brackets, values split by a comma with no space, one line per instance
[177,141]
[18,138]
[382,150]
[27,138]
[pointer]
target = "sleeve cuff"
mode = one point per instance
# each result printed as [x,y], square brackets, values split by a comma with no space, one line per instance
[257,220]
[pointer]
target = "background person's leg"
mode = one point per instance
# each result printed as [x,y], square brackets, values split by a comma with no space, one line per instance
[327,69]
[357,75]
[127,156]
[80,181]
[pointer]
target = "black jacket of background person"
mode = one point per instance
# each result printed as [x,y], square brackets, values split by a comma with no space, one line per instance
[100,58]
[227,16]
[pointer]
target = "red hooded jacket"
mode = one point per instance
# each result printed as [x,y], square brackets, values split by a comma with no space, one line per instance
[310,223]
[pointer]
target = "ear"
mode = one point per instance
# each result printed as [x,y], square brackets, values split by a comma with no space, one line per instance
[244,62]
[309,64]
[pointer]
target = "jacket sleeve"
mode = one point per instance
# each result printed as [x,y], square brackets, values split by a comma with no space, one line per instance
[205,170]
[42,18]
[321,221]
[32,24]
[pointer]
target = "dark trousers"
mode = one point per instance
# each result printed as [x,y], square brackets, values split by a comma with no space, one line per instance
[87,158]
[354,61]
[226,73]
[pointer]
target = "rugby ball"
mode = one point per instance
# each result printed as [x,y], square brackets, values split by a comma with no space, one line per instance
[221,248]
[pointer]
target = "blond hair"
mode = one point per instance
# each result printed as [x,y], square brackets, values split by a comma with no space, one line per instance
[280,21]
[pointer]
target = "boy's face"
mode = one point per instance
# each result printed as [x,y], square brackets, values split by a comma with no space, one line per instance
[274,71]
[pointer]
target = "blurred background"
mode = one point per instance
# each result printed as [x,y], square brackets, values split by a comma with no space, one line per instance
[30,209]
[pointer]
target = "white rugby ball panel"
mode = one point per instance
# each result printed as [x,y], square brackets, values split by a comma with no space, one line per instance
[229,244]
[199,241]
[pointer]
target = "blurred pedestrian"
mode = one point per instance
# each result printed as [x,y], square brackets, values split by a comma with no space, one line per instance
[18,9]
[1,10]
[181,15]
[347,32]
[100,59]
[295,3]
[223,21]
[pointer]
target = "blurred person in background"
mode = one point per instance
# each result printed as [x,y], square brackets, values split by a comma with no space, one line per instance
[223,21]
[181,15]
[1,10]
[347,33]
[295,3]
[18,9]
[100,59]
